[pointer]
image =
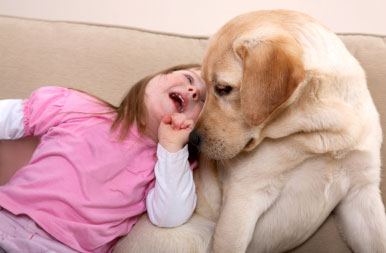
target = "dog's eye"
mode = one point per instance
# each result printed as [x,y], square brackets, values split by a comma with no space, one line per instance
[222,90]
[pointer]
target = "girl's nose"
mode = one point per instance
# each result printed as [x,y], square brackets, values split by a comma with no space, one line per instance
[194,93]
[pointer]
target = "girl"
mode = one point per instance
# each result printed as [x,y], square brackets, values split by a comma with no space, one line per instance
[99,167]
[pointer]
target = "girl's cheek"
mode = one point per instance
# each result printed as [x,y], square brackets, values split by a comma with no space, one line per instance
[197,113]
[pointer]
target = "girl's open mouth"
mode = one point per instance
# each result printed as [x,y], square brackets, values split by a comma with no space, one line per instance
[178,101]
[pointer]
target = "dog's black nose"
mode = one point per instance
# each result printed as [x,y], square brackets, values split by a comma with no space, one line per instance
[195,139]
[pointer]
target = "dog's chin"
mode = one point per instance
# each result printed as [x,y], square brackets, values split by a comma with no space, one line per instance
[221,151]
[218,155]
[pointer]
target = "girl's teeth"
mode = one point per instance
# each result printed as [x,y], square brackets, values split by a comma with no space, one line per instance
[181,101]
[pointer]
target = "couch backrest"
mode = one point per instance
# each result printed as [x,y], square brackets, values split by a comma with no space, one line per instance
[102,60]
[370,51]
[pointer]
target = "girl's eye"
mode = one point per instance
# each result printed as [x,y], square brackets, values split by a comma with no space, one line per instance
[190,78]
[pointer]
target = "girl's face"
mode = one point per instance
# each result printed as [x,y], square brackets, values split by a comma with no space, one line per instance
[181,91]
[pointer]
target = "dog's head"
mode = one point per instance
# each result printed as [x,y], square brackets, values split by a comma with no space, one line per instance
[252,67]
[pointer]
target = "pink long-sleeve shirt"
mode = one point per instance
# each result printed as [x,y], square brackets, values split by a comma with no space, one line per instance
[82,185]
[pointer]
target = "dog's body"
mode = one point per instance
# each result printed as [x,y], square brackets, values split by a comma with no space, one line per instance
[291,121]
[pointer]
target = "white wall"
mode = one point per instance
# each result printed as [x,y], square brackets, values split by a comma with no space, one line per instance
[199,17]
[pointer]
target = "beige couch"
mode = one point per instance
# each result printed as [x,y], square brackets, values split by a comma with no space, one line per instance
[106,60]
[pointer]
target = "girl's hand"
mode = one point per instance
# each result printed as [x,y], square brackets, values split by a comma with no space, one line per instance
[173,131]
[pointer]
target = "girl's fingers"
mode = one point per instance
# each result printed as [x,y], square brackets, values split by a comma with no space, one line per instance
[167,119]
[177,120]
[175,126]
[187,124]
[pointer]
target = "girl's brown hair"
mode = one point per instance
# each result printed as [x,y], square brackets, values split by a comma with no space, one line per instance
[132,108]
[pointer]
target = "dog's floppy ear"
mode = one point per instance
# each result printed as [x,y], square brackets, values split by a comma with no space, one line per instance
[272,70]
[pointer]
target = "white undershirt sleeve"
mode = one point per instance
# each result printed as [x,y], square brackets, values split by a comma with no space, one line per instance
[11,119]
[173,199]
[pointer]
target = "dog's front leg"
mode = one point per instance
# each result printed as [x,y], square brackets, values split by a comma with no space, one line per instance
[361,218]
[241,209]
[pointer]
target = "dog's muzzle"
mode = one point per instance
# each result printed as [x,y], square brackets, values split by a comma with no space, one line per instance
[195,139]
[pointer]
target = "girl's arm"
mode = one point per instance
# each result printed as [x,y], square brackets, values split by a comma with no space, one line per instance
[173,199]
[11,119]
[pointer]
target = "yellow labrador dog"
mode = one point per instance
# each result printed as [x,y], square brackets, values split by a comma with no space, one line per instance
[289,114]
[291,122]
